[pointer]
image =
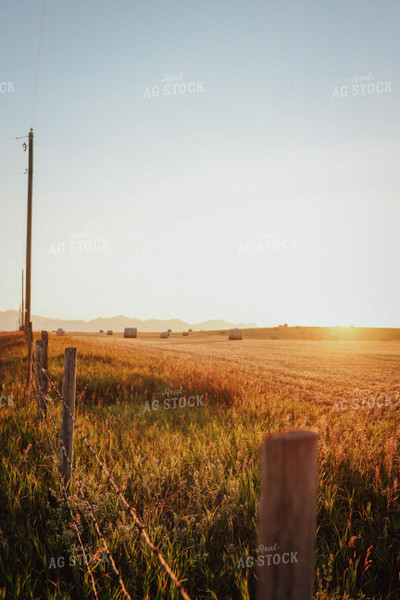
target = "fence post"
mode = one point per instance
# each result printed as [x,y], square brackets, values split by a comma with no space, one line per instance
[38,353]
[287,516]
[43,364]
[29,341]
[67,424]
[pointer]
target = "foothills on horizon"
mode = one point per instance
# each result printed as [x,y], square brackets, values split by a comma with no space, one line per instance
[9,321]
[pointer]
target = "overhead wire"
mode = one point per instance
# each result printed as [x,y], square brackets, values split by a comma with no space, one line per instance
[11,174]
[35,83]
[38,61]
[13,138]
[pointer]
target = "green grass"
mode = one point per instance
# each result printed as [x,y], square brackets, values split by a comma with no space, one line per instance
[192,474]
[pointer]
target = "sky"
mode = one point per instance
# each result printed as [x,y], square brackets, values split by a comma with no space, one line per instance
[222,159]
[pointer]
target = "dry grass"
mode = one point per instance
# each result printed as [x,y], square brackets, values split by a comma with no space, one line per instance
[193,473]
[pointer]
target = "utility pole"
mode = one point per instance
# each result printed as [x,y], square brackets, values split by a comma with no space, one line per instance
[27,321]
[29,232]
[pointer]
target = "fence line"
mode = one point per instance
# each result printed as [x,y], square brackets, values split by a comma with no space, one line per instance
[66,496]
[67,425]
[286,510]
[66,454]
[140,526]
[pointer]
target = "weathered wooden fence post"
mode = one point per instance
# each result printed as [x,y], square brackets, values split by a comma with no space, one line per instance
[41,358]
[38,352]
[67,424]
[43,363]
[29,341]
[287,516]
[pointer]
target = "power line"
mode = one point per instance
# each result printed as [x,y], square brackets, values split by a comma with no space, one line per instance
[21,137]
[11,174]
[13,138]
[38,61]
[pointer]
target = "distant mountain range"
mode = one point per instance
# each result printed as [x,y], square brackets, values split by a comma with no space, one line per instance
[9,320]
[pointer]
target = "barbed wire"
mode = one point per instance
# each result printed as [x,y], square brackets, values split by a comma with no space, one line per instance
[65,493]
[140,526]
[117,572]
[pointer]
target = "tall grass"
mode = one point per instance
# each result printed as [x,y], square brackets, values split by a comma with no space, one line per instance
[192,474]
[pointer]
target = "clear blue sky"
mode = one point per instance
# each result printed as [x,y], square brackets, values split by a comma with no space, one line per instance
[266,195]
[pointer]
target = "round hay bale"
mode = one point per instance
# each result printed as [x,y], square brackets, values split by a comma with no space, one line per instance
[130,332]
[165,334]
[60,331]
[185,333]
[235,334]
[109,332]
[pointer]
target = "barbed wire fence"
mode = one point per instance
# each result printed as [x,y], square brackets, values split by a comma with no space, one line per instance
[44,400]
[287,506]
[65,493]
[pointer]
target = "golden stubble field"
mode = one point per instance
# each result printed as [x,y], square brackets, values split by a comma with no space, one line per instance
[192,473]
[318,371]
